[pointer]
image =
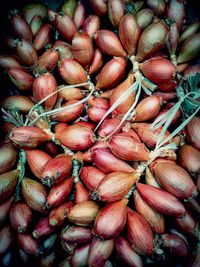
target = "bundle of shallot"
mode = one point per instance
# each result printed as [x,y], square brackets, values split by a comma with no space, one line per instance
[100,147]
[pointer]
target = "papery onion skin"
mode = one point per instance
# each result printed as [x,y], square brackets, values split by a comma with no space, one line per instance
[28,244]
[81,193]
[108,126]
[175,244]
[189,31]
[72,72]
[28,136]
[8,183]
[174,179]
[82,48]
[97,109]
[150,179]
[115,186]
[63,48]
[97,62]
[192,70]
[151,40]
[127,148]
[99,145]
[168,87]
[173,40]
[99,7]
[159,70]
[69,114]
[91,176]
[179,234]
[146,134]
[30,10]
[189,158]
[7,61]
[36,160]
[86,124]
[58,193]
[5,208]
[147,108]
[80,256]
[43,37]
[91,24]
[36,24]
[56,170]
[155,219]
[130,132]
[107,162]
[158,6]
[42,228]
[20,216]
[192,131]
[129,33]
[65,26]
[69,94]
[109,43]
[168,204]
[34,194]
[166,96]
[139,233]
[188,224]
[58,215]
[76,137]
[60,127]
[6,238]
[20,103]
[111,74]
[127,253]
[44,85]
[68,7]
[84,214]
[116,10]
[182,67]
[111,220]
[77,234]
[20,27]
[189,49]
[21,79]
[144,17]
[79,15]
[100,251]
[8,156]
[49,59]
[176,11]
[124,106]
[26,53]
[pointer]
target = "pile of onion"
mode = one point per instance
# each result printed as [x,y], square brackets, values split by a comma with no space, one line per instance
[96,168]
